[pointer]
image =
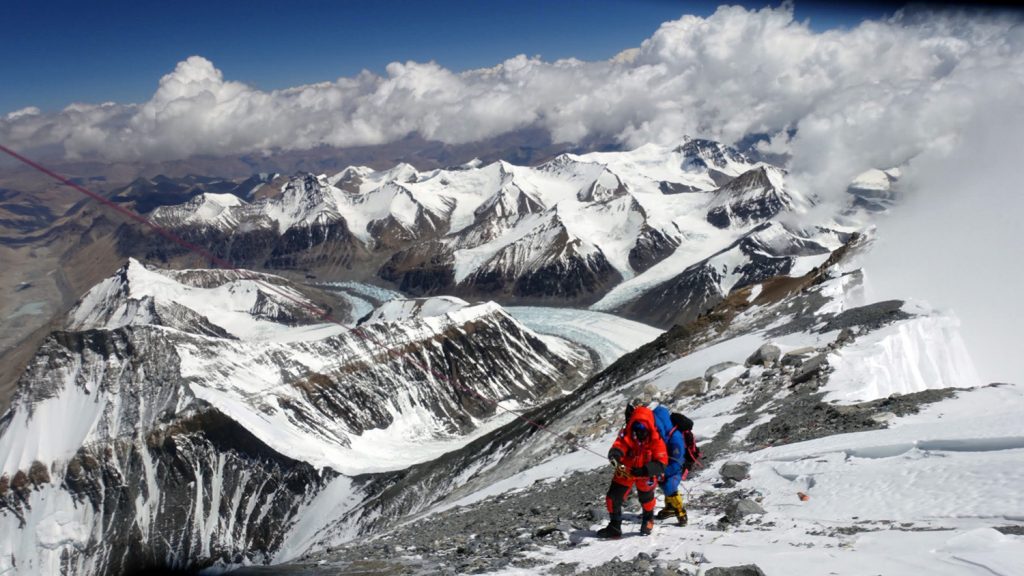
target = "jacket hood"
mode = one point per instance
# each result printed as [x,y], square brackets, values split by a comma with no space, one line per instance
[663,418]
[643,414]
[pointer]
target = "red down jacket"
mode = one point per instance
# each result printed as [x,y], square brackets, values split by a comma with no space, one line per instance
[638,455]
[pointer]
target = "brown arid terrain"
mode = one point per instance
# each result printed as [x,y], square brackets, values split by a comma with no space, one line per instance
[48,262]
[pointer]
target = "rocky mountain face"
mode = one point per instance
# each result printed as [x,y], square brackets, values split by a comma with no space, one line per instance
[566,231]
[545,508]
[228,417]
[754,196]
[765,252]
[188,418]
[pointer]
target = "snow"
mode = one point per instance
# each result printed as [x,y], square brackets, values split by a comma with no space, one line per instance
[794,552]
[243,377]
[333,502]
[228,305]
[414,437]
[53,523]
[755,291]
[952,469]
[574,193]
[612,227]
[609,336]
[919,354]
[694,365]
[362,298]
[921,496]
[404,209]
[552,468]
[61,528]
[28,438]
[904,474]
[927,491]
[468,260]
[873,179]
[701,241]
[401,310]
[804,264]
[987,549]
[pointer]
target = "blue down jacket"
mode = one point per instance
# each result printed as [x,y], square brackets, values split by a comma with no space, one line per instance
[675,446]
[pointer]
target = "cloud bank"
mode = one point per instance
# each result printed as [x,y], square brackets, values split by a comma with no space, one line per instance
[940,93]
[911,81]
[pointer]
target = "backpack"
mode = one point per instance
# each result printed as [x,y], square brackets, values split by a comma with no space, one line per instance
[685,426]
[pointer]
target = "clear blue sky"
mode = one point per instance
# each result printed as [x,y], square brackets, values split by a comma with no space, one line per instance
[58,52]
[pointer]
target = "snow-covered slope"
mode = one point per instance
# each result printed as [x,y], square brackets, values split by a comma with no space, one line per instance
[242,305]
[200,410]
[915,472]
[767,251]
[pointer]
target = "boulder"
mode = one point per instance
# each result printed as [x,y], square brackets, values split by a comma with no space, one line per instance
[810,368]
[766,355]
[715,369]
[38,474]
[735,470]
[796,356]
[648,393]
[692,387]
[743,508]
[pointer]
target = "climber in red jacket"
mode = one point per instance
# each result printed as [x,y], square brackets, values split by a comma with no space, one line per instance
[639,457]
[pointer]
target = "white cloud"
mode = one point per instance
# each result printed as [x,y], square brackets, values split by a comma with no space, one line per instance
[955,240]
[925,89]
[908,82]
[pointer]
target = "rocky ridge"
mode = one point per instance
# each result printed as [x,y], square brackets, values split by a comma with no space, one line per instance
[193,438]
[522,527]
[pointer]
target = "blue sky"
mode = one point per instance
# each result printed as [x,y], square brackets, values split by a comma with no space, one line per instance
[62,52]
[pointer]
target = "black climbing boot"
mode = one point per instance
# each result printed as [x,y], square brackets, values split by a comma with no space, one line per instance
[613,529]
[647,523]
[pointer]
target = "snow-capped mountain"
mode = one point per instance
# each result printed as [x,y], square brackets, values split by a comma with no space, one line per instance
[569,230]
[196,418]
[186,417]
[149,193]
[849,423]
[874,190]
[769,250]
[754,196]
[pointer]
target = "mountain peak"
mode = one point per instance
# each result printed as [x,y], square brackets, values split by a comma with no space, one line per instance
[701,154]
[754,196]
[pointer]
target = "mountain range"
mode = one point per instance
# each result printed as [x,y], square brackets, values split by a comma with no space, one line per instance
[421,371]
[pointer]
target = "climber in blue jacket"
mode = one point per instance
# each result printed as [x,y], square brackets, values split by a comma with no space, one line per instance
[679,463]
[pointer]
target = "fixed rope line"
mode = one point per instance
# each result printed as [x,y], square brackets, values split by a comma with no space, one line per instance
[321,313]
